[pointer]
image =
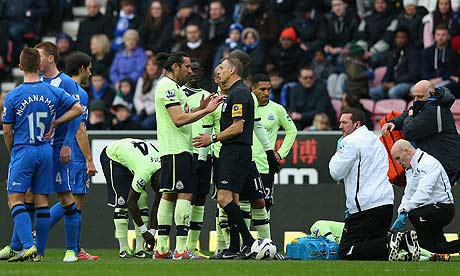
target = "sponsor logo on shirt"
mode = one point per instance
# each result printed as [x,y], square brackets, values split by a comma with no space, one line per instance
[237,110]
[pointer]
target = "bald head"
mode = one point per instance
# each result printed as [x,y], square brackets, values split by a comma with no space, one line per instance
[422,90]
[402,151]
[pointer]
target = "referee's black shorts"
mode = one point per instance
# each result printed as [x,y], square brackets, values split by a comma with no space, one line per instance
[253,188]
[177,173]
[234,164]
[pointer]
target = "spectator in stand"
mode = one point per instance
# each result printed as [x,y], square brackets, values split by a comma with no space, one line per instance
[258,15]
[320,123]
[130,61]
[2,105]
[123,119]
[232,42]
[21,17]
[97,117]
[364,8]
[276,80]
[95,23]
[283,10]
[184,16]
[442,15]
[198,49]
[439,61]
[310,27]
[322,66]
[100,89]
[342,26]
[358,73]
[144,95]
[101,54]
[411,19]
[350,100]
[402,69]
[127,19]
[377,30]
[309,98]
[156,31]
[215,28]
[125,93]
[65,46]
[255,49]
[286,55]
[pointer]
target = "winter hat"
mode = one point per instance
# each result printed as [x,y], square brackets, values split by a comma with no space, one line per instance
[289,33]
[235,26]
[356,50]
[410,2]
[64,36]
[251,30]
[456,43]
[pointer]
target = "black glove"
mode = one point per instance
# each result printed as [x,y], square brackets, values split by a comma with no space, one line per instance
[149,241]
[274,166]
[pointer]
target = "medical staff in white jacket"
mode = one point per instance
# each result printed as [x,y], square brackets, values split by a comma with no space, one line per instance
[362,162]
[427,200]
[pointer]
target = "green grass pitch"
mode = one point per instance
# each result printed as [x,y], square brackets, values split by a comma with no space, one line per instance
[111,264]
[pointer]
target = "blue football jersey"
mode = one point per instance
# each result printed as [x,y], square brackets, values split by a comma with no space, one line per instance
[83,98]
[71,87]
[31,107]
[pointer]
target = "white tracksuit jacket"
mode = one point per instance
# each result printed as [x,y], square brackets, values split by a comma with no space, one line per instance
[362,162]
[427,183]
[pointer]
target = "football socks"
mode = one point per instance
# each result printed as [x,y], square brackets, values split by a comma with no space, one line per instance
[245,208]
[42,228]
[196,222]
[120,219]
[57,212]
[22,225]
[71,221]
[165,216]
[261,223]
[182,220]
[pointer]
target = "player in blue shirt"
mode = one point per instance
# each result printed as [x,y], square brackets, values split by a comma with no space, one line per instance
[62,150]
[78,66]
[27,120]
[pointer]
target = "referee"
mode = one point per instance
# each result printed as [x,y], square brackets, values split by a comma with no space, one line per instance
[236,124]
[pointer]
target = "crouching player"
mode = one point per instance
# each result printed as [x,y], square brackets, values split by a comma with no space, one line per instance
[129,165]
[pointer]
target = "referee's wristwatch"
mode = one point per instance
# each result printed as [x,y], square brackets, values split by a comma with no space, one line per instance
[213,138]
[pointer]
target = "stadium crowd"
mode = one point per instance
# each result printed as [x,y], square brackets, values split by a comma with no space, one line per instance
[313,51]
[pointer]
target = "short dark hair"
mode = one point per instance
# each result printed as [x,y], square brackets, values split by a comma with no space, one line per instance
[236,63]
[167,60]
[306,67]
[29,60]
[357,115]
[441,27]
[75,61]
[245,61]
[50,49]
[259,78]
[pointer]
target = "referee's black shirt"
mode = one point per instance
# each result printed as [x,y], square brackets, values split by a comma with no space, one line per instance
[238,105]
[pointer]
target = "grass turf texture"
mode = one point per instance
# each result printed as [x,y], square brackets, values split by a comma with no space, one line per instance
[111,264]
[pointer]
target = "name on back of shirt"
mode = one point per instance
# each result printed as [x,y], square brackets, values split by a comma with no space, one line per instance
[35,98]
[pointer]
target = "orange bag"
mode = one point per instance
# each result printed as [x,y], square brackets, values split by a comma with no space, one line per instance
[396,173]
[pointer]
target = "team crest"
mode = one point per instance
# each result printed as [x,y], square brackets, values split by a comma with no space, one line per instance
[121,201]
[179,185]
[170,94]
[141,183]
[271,117]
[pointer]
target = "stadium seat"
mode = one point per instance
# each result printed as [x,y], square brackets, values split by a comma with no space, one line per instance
[383,107]
[379,73]
[80,11]
[368,104]
[337,104]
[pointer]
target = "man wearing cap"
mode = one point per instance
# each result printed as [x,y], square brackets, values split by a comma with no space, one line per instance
[402,69]
[232,42]
[286,55]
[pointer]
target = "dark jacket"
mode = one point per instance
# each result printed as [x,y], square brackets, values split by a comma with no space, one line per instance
[341,32]
[265,21]
[447,62]
[311,32]
[286,60]
[16,9]
[98,24]
[403,66]
[157,38]
[204,54]
[102,66]
[258,57]
[358,79]
[438,139]
[414,25]
[311,102]
[374,28]
[215,32]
